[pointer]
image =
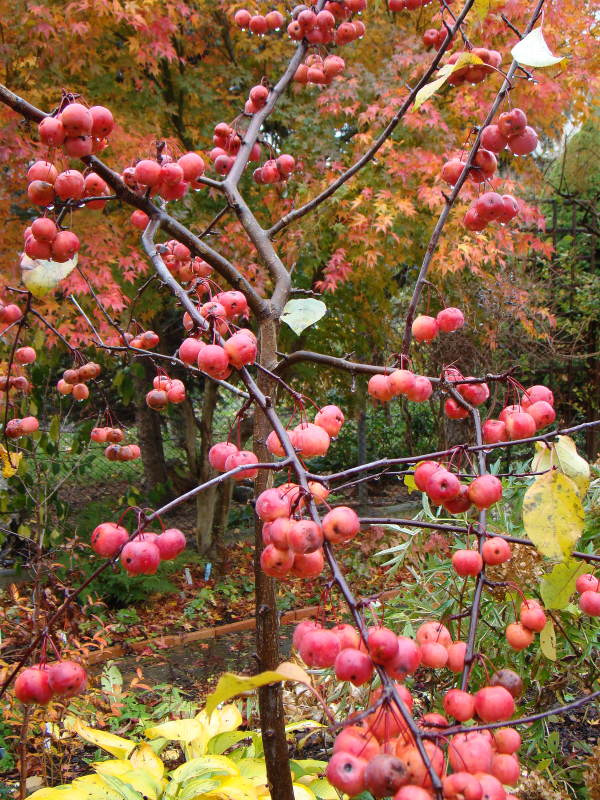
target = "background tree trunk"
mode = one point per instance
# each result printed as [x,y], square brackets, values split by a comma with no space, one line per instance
[270,704]
[149,432]
[205,501]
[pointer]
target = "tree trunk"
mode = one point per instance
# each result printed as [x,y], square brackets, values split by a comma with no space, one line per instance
[222,506]
[361,435]
[149,433]
[205,501]
[267,621]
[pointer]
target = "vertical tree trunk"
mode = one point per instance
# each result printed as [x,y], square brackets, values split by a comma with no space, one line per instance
[205,501]
[149,433]
[361,436]
[267,622]
[222,506]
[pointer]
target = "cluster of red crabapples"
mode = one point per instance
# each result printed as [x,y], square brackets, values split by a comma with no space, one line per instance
[319,71]
[165,177]
[378,753]
[522,420]
[474,73]
[434,38]
[259,23]
[445,489]
[227,141]
[79,130]
[42,682]
[511,130]
[142,554]
[74,380]
[448,320]
[417,388]
[115,450]
[275,170]
[178,260]
[22,356]
[237,351]
[166,390]
[309,439]
[146,340]
[588,588]
[294,546]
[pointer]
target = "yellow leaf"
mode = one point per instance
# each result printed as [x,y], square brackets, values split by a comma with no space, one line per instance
[112,766]
[572,464]
[553,515]
[558,585]
[564,457]
[302,792]
[204,764]
[444,73]
[144,757]
[548,641]
[230,685]
[293,672]
[143,782]
[481,8]
[41,276]
[10,462]
[59,793]
[234,787]
[95,788]
[177,730]
[113,744]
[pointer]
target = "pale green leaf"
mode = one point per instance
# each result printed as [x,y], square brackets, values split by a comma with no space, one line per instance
[41,276]
[548,641]
[301,314]
[532,51]
[553,515]
[558,585]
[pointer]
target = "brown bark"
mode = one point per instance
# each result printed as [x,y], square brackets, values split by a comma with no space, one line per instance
[149,432]
[270,704]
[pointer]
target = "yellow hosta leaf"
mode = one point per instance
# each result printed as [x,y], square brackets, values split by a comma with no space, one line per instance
[10,462]
[95,788]
[112,766]
[208,765]
[230,685]
[222,720]
[553,515]
[548,641]
[444,73]
[302,792]
[177,730]
[234,787]
[59,793]
[144,757]
[564,457]
[558,585]
[254,769]
[113,744]
[324,790]
[126,792]
[143,782]
[41,276]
